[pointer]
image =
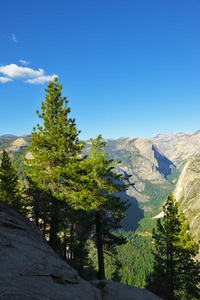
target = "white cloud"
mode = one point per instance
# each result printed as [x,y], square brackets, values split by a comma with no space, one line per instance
[31,76]
[23,62]
[41,79]
[14,71]
[14,38]
[5,79]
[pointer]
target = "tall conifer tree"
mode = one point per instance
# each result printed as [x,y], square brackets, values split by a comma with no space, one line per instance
[55,148]
[9,183]
[175,273]
[100,187]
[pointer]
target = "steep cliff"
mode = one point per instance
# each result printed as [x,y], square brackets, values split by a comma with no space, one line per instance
[187,193]
[178,147]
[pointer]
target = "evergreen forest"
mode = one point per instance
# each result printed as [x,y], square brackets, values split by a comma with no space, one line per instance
[71,190]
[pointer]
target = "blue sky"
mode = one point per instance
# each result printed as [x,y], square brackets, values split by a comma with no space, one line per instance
[128,67]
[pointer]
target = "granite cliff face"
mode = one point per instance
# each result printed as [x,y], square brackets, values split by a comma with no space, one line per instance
[31,270]
[140,158]
[178,147]
[187,193]
[184,151]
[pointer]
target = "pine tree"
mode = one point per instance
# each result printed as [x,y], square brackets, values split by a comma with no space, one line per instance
[55,150]
[37,205]
[9,183]
[175,273]
[101,184]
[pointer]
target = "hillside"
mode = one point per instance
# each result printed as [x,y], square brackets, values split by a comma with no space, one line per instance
[178,147]
[187,193]
[31,270]
[153,174]
[164,164]
[154,164]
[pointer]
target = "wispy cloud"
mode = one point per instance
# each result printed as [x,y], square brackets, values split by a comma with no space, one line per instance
[30,75]
[14,39]
[5,79]
[41,79]
[23,62]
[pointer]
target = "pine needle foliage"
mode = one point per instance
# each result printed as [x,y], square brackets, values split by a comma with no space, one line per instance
[101,185]
[176,273]
[55,150]
[9,183]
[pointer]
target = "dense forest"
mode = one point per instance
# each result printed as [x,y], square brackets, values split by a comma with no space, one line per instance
[74,199]
[135,259]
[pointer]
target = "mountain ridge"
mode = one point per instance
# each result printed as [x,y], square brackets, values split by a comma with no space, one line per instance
[155,165]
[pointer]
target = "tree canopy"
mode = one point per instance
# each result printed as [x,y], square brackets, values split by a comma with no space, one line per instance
[176,273]
[9,183]
[101,185]
[55,149]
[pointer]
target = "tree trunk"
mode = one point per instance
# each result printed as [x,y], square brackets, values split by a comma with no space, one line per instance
[53,240]
[71,241]
[64,246]
[99,244]
[44,228]
[171,279]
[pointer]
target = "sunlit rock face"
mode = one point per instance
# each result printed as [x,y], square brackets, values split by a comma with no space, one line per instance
[187,193]
[178,147]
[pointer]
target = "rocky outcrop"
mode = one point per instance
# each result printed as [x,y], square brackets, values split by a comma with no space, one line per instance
[141,158]
[18,144]
[178,147]
[187,193]
[116,291]
[31,270]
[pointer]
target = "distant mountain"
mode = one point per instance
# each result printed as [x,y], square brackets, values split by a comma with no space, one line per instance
[155,165]
[184,151]
[12,143]
[140,158]
[151,171]
[7,136]
[178,147]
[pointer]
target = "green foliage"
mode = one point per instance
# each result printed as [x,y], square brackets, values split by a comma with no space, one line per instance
[99,195]
[175,273]
[69,197]
[9,183]
[55,145]
[156,193]
[133,261]
[18,162]
[127,157]
[172,178]
[147,223]
[54,167]
[116,274]
[6,142]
